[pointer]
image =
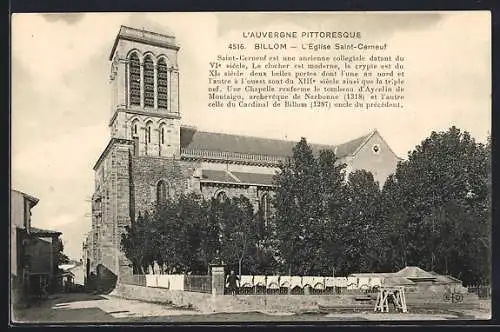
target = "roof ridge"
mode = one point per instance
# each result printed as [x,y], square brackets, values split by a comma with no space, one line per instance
[246,136]
[285,140]
[366,138]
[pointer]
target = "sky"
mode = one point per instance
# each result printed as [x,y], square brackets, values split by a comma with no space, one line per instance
[61,97]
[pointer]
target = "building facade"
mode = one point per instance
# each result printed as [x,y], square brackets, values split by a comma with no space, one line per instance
[151,156]
[33,251]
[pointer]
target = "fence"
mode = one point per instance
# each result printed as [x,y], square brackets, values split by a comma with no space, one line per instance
[261,290]
[200,284]
[482,291]
[296,285]
[168,281]
[135,279]
[260,285]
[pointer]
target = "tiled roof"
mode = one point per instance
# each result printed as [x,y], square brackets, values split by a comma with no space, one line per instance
[39,231]
[257,178]
[414,272]
[31,198]
[192,139]
[348,148]
[218,176]
[397,281]
[236,177]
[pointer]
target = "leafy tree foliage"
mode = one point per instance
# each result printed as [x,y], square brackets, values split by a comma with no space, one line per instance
[61,257]
[440,203]
[239,231]
[433,212]
[308,197]
[187,234]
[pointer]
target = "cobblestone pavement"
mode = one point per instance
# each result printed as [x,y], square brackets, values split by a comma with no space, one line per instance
[89,308]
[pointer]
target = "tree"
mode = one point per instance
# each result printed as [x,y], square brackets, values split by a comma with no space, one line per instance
[307,202]
[362,237]
[138,242]
[440,201]
[239,234]
[61,258]
[333,198]
[209,244]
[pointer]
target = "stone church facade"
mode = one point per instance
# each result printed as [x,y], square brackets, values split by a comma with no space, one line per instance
[152,156]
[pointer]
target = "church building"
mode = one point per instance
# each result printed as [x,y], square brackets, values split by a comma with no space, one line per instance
[151,155]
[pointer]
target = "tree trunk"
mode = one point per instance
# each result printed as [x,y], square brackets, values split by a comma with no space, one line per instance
[139,267]
[239,266]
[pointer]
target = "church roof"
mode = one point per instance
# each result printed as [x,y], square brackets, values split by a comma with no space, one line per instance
[217,176]
[192,139]
[236,177]
[262,179]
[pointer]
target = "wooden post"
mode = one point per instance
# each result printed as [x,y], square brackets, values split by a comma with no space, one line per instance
[403,300]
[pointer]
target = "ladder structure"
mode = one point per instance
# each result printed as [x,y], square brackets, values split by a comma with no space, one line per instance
[395,295]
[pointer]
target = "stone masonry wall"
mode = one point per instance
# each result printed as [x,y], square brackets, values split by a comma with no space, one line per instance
[148,171]
[381,163]
[207,303]
[114,211]
[253,193]
[121,158]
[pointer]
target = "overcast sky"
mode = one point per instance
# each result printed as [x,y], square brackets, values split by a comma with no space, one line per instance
[60,95]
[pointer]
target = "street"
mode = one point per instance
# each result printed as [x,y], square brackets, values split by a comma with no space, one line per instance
[90,308]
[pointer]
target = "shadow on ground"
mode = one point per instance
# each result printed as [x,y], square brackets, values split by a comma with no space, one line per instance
[76,297]
[44,312]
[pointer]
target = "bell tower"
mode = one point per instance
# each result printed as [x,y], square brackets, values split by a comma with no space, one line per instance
[144,84]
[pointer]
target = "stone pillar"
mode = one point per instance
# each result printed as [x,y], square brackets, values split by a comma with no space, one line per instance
[218,280]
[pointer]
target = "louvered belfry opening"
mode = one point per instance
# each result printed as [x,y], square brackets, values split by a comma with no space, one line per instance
[135,80]
[162,84]
[149,82]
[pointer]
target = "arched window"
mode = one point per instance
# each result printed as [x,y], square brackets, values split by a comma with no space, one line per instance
[134,80]
[265,207]
[162,84]
[147,132]
[162,134]
[161,192]
[149,82]
[135,128]
[221,196]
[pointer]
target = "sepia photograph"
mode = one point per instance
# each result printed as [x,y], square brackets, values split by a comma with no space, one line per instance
[247,167]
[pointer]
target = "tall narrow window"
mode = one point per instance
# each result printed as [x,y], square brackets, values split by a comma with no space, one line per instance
[148,132]
[135,80]
[149,82]
[161,192]
[162,134]
[162,84]
[135,127]
[135,136]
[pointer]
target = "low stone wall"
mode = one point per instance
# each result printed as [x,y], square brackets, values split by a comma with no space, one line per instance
[247,303]
[227,303]
[280,303]
[197,301]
